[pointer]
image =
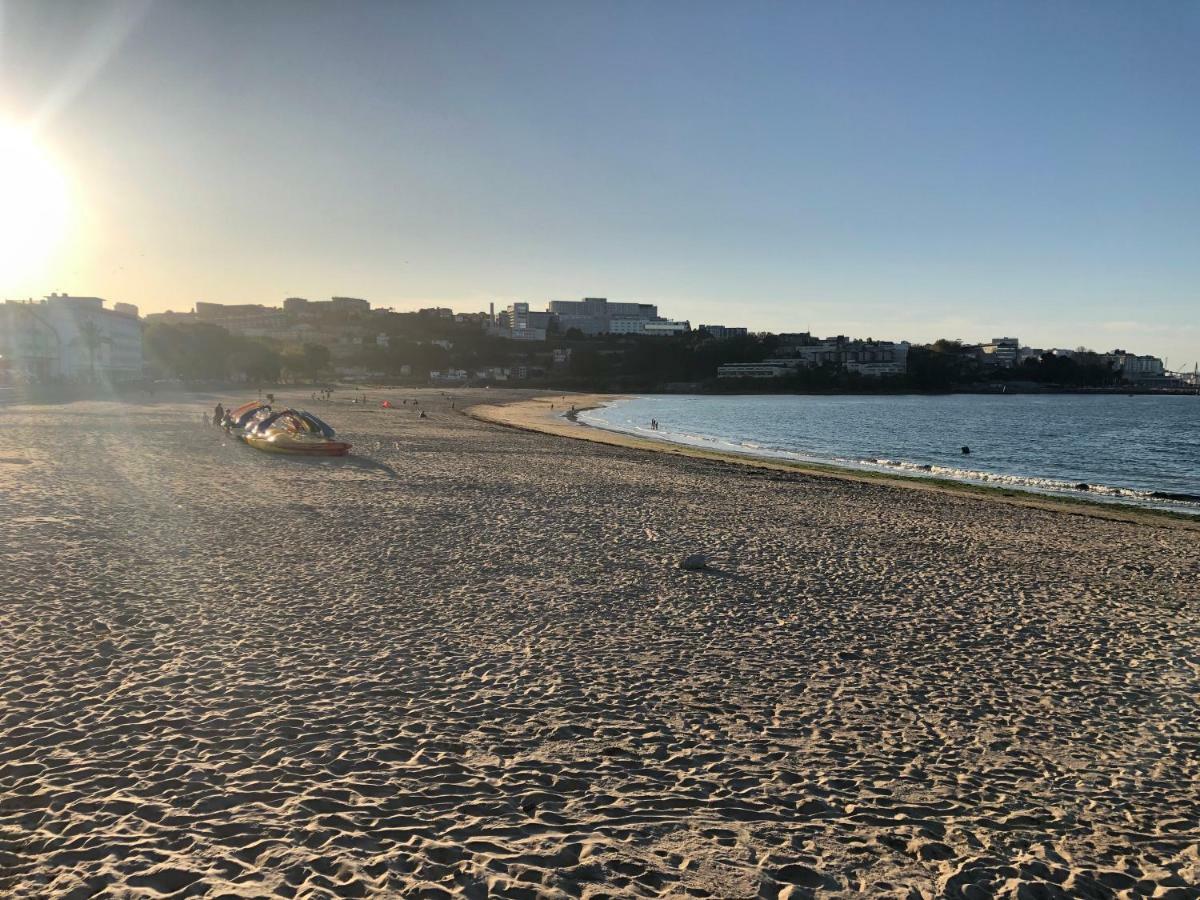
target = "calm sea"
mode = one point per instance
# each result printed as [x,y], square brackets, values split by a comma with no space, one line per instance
[1126,449]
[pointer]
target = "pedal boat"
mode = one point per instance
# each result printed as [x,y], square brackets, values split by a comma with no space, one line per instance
[291,431]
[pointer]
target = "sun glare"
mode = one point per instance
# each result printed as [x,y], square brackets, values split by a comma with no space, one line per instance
[34,204]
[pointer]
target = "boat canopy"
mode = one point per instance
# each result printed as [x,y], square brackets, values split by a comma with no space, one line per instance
[267,421]
[315,424]
[291,420]
[246,412]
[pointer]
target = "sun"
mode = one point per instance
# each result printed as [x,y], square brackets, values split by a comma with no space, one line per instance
[34,206]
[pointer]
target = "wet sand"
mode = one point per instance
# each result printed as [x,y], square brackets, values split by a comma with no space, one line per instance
[464,662]
[545,414]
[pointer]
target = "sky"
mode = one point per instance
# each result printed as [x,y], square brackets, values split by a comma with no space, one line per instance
[902,170]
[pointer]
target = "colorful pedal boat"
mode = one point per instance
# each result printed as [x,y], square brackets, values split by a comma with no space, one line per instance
[292,431]
[296,443]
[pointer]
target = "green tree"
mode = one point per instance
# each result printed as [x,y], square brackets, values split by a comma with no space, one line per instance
[255,360]
[191,351]
[308,362]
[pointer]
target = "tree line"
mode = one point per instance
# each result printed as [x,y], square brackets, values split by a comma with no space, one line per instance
[417,345]
[200,351]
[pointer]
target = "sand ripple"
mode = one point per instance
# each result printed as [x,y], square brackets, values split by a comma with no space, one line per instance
[466,665]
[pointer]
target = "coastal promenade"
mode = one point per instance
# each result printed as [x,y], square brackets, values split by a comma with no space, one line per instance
[464,662]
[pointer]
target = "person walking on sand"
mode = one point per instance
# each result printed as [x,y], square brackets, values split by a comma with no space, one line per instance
[218,413]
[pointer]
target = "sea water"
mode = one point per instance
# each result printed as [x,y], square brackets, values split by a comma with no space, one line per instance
[1142,449]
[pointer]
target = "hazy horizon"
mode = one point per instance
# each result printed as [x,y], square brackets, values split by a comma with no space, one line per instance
[901,171]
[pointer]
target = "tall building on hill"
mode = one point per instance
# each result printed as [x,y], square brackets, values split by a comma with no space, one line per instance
[589,315]
[342,306]
[1002,351]
[1135,368]
[350,305]
[595,315]
[720,332]
[247,319]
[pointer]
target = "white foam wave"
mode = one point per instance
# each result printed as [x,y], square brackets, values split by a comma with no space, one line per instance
[606,418]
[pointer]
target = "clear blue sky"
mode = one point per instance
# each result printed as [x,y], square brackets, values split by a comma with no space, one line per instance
[893,169]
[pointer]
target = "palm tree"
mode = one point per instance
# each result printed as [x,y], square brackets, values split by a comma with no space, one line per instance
[91,340]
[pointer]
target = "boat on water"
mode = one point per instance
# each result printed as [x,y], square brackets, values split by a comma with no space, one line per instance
[292,431]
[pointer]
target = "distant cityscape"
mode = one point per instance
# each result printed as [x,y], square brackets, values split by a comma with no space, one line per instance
[63,337]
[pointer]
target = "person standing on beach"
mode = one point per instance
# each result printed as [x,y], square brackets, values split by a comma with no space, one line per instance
[218,413]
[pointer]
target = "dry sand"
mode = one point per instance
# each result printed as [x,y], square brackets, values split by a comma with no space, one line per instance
[463,663]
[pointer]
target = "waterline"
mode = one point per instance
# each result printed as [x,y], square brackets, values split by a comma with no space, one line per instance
[1141,451]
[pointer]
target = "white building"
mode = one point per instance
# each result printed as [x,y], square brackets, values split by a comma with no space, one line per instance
[591,316]
[71,337]
[1135,368]
[720,332]
[1001,351]
[525,324]
[768,368]
[666,328]
[596,315]
[871,358]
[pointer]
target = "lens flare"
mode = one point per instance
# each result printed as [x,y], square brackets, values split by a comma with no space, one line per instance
[34,206]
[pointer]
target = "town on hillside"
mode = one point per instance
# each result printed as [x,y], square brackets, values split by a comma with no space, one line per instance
[591,344]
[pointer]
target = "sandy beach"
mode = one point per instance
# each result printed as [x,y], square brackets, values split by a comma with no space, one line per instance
[464,662]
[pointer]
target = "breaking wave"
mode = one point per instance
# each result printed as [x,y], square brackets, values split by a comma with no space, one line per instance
[633,415]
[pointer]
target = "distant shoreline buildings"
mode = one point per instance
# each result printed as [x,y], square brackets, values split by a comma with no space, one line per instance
[65,337]
[873,359]
[590,316]
[69,337]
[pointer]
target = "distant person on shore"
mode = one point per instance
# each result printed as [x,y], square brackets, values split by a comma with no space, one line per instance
[218,414]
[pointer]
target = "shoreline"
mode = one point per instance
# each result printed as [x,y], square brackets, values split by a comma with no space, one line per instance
[539,415]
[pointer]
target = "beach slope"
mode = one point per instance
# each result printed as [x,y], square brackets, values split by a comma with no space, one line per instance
[465,662]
